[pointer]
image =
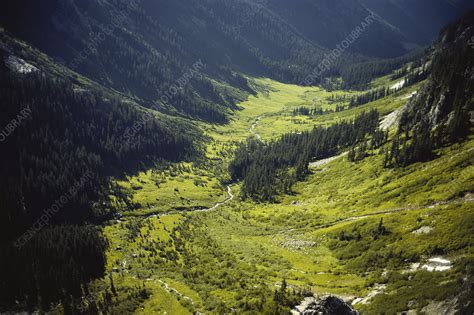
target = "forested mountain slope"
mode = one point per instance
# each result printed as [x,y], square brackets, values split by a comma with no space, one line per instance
[447,98]
[143,47]
[440,113]
[63,137]
[402,23]
[418,21]
[436,116]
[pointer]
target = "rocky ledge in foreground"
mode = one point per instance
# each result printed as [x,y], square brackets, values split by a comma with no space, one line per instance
[324,305]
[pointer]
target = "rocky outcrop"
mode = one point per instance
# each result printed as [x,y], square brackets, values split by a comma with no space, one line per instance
[324,305]
[446,96]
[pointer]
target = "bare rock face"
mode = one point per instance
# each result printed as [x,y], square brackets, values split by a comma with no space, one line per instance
[324,305]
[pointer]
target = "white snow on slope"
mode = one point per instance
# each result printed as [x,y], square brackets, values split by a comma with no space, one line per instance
[433,264]
[19,65]
[398,85]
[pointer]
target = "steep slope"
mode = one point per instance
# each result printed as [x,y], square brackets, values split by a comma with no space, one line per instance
[329,22]
[447,98]
[63,137]
[403,24]
[143,47]
[418,21]
[439,114]
[58,124]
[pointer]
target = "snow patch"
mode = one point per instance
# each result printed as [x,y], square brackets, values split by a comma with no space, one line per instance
[79,90]
[398,85]
[19,65]
[439,260]
[433,264]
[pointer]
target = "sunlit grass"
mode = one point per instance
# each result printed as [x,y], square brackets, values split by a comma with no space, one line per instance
[179,188]
[245,249]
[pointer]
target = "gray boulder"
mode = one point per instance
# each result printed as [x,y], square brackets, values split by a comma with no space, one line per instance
[324,305]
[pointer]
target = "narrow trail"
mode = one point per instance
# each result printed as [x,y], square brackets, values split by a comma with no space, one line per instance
[252,128]
[165,285]
[382,212]
[229,198]
[168,288]
[230,195]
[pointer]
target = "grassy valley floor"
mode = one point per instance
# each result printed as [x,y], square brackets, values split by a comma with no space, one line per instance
[353,229]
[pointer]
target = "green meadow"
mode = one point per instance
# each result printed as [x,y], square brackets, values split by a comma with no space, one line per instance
[347,229]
